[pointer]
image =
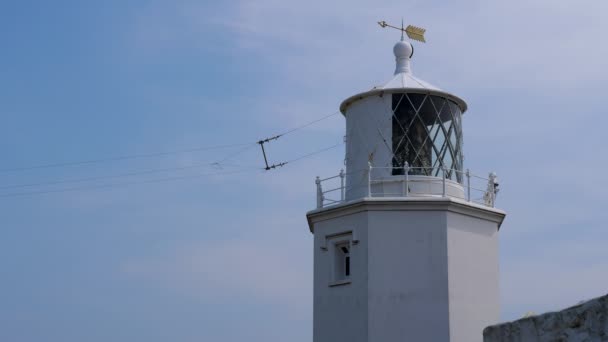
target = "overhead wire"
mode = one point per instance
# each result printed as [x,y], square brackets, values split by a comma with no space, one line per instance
[276,137]
[121,175]
[218,164]
[308,155]
[158,154]
[124,157]
[237,153]
[308,124]
[112,185]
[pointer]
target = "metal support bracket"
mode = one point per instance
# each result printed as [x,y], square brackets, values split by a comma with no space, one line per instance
[273,166]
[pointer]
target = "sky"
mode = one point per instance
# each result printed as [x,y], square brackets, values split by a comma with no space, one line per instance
[186,250]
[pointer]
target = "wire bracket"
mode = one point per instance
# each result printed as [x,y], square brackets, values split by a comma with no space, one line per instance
[262,142]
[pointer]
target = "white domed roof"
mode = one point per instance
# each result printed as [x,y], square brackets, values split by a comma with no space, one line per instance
[407,80]
[403,72]
[403,80]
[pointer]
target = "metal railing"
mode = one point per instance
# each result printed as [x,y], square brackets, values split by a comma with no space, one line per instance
[476,189]
[321,198]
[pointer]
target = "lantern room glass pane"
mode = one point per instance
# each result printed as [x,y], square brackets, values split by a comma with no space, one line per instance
[427,134]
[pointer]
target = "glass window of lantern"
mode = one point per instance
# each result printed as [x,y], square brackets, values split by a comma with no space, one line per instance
[427,134]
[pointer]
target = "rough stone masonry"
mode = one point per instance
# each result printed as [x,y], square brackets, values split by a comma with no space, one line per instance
[586,322]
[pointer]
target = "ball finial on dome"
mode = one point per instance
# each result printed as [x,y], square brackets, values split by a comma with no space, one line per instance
[403,49]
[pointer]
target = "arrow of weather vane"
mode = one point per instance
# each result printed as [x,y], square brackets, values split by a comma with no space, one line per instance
[413,32]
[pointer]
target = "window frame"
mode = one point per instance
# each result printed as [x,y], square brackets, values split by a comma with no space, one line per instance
[340,263]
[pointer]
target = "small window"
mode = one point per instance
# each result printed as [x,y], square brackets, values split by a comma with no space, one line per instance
[342,261]
[340,247]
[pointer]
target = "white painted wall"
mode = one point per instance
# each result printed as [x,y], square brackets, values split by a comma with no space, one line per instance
[340,312]
[423,270]
[408,276]
[473,276]
[368,123]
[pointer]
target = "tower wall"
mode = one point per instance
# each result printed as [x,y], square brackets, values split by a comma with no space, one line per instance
[422,270]
[408,276]
[340,311]
[368,139]
[472,254]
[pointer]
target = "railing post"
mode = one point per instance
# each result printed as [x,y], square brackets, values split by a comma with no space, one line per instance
[493,183]
[369,179]
[443,181]
[468,185]
[319,193]
[406,186]
[342,185]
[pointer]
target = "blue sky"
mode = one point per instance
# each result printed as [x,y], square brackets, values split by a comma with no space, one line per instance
[229,257]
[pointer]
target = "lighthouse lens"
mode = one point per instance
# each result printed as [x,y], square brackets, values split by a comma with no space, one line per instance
[427,135]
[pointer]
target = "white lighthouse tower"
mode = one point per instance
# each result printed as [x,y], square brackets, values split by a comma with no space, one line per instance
[406,240]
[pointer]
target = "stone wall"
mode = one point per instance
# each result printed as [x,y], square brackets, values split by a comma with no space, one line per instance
[587,322]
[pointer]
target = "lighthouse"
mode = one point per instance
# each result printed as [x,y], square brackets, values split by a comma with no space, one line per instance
[405,238]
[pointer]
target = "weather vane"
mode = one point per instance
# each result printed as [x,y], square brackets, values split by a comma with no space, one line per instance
[413,32]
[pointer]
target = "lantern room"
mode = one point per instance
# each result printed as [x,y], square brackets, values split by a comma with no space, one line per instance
[406,128]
